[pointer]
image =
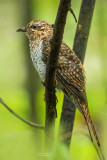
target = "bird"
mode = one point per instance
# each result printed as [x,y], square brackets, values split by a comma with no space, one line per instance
[70,73]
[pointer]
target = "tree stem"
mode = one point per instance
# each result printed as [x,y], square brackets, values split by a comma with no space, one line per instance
[56,41]
[80,44]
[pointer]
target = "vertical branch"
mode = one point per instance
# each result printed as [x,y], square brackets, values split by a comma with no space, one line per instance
[83,28]
[67,121]
[80,44]
[51,66]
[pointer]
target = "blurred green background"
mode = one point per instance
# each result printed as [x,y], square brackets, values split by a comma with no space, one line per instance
[21,87]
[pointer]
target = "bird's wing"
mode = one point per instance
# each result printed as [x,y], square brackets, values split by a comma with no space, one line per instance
[71,68]
[69,71]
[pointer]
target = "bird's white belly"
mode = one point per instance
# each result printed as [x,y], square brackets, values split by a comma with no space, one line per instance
[37,56]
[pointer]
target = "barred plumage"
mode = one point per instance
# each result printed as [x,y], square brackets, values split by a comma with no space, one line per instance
[70,74]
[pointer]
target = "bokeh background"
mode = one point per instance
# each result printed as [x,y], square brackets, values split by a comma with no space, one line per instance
[22,90]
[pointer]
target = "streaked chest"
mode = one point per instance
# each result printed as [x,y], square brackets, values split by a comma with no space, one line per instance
[37,59]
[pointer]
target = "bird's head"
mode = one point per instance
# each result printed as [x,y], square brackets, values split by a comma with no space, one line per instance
[37,29]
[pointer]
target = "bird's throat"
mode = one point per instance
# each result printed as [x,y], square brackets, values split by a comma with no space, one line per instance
[36,49]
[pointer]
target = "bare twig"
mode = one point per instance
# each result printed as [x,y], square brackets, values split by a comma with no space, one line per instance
[26,121]
[58,31]
[71,10]
[83,28]
[67,121]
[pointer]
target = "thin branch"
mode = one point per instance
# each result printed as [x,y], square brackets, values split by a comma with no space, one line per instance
[80,44]
[83,28]
[58,31]
[67,121]
[72,12]
[15,114]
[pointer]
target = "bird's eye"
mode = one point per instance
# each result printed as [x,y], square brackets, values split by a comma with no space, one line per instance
[35,26]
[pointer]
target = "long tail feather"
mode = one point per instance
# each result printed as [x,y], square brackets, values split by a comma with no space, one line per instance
[92,132]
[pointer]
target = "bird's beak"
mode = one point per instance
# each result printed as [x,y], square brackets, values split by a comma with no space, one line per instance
[23,29]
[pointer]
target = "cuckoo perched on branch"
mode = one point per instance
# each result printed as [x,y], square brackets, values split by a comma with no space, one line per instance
[70,74]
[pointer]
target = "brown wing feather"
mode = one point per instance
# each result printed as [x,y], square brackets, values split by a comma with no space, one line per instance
[70,68]
[70,71]
[79,94]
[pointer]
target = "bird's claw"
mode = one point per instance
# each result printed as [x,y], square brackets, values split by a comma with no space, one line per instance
[43,82]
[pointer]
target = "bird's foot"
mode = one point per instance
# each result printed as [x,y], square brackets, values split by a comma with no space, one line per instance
[43,82]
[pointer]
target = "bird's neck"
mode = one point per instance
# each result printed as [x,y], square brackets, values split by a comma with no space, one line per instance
[34,44]
[36,48]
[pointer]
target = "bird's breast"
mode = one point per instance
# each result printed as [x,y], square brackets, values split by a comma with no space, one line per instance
[37,59]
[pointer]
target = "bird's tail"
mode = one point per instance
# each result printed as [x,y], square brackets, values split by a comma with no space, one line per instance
[92,132]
